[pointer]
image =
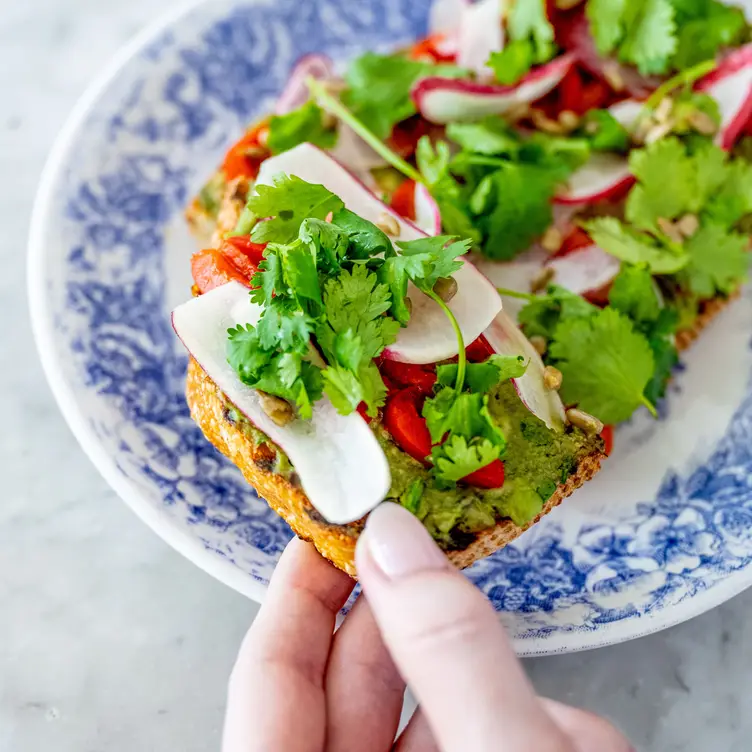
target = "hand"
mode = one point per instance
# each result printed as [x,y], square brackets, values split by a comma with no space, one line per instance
[296,687]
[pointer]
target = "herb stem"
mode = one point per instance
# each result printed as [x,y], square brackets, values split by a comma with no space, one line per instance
[514,294]
[461,354]
[650,406]
[684,78]
[339,110]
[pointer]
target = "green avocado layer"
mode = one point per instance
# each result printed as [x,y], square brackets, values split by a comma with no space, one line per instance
[537,460]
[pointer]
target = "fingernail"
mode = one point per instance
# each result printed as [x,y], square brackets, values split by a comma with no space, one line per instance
[399,544]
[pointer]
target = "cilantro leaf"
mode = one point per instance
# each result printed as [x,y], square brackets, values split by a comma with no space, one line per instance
[606,364]
[667,183]
[665,356]
[366,239]
[244,353]
[650,35]
[356,301]
[703,28]
[733,197]
[301,275]
[633,293]
[719,261]
[514,208]
[542,315]
[269,278]
[301,125]
[513,62]
[343,388]
[284,326]
[527,21]
[606,25]
[379,88]
[462,414]
[457,458]
[604,132]
[395,274]
[432,159]
[492,136]
[289,201]
[634,247]
[442,253]
[644,31]
[482,377]
[328,242]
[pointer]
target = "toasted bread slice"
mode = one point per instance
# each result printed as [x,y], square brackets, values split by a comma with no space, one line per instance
[335,542]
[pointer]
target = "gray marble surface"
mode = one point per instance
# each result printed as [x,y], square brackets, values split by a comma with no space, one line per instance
[111,641]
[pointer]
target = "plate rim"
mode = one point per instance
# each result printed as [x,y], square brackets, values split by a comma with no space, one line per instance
[576,640]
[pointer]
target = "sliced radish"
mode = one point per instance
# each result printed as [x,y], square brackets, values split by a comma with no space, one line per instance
[295,93]
[429,337]
[730,84]
[444,100]
[505,338]
[585,270]
[341,466]
[427,214]
[480,33]
[355,154]
[603,176]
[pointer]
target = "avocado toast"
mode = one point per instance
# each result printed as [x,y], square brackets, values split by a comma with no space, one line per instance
[611,214]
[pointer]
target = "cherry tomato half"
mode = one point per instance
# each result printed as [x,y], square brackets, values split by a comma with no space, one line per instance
[245,157]
[576,240]
[403,200]
[406,425]
[430,49]
[211,268]
[490,476]
[608,438]
[408,374]
[244,253]
[405,135]
[479,351]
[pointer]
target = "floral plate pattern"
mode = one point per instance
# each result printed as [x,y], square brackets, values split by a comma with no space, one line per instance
[663,533]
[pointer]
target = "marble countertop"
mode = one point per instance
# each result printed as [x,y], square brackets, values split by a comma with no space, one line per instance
[109,640]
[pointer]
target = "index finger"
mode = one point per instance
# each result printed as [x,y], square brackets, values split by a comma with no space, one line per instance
[276,693]
[448,643]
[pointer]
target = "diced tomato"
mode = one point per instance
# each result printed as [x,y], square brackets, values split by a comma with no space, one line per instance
[406,425]
[430,49]
[608,438]
[479,351]
[405,135]
[490,476]
[409,374]
[244,253]
[403,200]
[570,90]
[211,268]
[246,156]
[576,240]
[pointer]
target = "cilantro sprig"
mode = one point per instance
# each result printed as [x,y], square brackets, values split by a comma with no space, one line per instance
[333,288]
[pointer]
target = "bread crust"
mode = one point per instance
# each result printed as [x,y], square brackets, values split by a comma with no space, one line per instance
[334,542]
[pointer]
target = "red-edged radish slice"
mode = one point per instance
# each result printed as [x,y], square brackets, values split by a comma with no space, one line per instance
[429,337]
[295,93]
[505,338]
[427,213]
[444,100]
[585,270]
[341,466]
[480,33]
[603,176]
[730,84]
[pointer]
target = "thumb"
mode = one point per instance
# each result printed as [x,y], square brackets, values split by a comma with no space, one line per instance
[448,643]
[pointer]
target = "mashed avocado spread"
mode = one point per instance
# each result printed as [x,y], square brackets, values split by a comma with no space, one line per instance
[537,460]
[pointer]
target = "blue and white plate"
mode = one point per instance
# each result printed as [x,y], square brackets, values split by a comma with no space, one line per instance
[662,534]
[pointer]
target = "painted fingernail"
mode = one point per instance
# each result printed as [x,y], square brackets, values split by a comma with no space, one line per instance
[399,544]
